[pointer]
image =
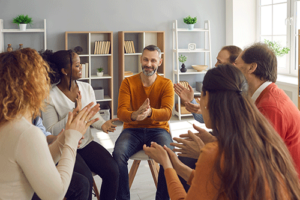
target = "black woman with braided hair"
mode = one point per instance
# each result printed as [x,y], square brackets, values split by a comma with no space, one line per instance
[69,95]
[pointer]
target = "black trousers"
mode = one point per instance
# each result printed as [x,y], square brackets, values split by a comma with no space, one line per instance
[190,162]
[95,158]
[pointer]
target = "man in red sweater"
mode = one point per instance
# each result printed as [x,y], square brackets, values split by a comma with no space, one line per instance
[259,65]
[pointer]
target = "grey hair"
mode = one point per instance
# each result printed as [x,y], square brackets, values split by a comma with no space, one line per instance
[152,47]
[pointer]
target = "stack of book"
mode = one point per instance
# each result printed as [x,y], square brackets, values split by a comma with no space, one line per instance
[129,47]
[102,47]
[85,70]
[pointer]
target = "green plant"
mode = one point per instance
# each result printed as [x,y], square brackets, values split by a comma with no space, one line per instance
[182,58]
[278,50]
[100,69]
[190,20]
[21,19]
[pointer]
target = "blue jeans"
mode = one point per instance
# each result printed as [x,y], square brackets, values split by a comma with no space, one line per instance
[130,141]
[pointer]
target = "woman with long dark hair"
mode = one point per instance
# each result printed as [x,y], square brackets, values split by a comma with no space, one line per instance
[27,163]
[66,94]
[248,159]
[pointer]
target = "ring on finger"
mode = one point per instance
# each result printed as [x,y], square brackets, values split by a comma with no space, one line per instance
[86,122]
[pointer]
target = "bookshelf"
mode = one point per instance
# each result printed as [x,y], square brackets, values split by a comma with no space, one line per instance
[141,39]
[29,31]
[204,57]
[87,40]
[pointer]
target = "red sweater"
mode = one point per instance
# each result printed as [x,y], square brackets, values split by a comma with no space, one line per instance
[277,107]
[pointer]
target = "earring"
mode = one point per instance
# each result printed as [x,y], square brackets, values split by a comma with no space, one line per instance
[205,107]
[66,74]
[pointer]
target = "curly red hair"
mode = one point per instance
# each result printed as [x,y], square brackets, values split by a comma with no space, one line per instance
[24,84]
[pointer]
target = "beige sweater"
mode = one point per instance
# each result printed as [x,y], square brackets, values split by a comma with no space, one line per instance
[27,165]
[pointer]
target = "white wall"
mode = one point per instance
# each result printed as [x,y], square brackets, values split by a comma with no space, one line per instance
[240,22]
[113,15]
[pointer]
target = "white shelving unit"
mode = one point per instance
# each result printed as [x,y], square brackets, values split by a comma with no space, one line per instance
[7,31]
[86,39]
[176,67]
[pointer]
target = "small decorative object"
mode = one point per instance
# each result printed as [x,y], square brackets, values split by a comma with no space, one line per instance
[9,48]
[182,59]
[22,21]
[199,68]
[192,46]
[78,50]
[99,93]
[100,72]
[190,22]
[20,46]
[278,50]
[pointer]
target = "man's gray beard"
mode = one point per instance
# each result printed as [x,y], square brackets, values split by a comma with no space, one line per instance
[149,73]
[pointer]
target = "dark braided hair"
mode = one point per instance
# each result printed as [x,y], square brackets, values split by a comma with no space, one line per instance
[57,61]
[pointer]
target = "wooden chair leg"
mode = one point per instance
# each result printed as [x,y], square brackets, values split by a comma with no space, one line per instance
[133,170]
[95,189]
[154,170]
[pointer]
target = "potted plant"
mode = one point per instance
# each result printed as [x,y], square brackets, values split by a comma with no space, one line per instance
[100,71]
[22,21]
[182,59]
[190,21]
[278,50]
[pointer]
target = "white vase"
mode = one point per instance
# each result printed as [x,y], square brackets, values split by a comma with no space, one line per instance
[191,26]
[100,74]
[22,27]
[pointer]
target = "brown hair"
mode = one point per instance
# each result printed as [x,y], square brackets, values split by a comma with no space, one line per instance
[256,162]
[24,83]
[265,59]
[234,52]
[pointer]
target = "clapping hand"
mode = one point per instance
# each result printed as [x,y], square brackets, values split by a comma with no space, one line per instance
[143,111]
[82,120]
[189,147]
[186,95]
[159,154]
[193,108]
[205,136]
[78,104]
[109,126]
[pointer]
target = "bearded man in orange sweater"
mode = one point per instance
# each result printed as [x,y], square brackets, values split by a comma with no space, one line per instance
[145,106]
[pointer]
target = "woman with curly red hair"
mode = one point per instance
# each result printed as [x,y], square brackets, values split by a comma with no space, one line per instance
[27,163]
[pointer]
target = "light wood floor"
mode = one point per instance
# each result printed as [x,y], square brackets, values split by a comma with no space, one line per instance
[143,187]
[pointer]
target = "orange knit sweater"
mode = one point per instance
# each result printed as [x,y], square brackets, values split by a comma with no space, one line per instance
[132,95]
[204,181]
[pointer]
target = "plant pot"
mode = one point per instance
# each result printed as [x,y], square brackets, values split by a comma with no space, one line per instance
[191,26]
[22,27]
[183,69]
[100,74]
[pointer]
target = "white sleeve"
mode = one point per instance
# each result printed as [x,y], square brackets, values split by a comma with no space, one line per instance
[50,120]
[33,156]
[98,124]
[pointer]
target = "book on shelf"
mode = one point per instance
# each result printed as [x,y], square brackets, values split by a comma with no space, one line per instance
[83,71]
[108,47]
[95,49]
[98,49]
[125,47]
[132,45]
[86,70]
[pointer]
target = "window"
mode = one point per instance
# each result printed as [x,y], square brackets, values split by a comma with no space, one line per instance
[278,22]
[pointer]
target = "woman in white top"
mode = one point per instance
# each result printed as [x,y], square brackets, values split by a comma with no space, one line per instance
[63,97]
[26,164]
